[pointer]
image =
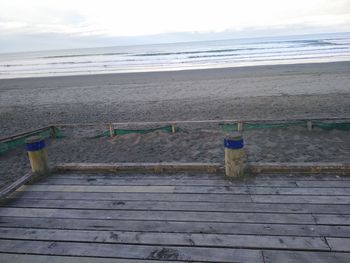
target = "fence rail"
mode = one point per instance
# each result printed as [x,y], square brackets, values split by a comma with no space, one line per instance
[201,121]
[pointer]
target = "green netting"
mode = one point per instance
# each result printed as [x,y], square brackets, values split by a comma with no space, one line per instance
[343,126]
[48,133]
[252,126]
[167,128]
[227,127]
[55,133]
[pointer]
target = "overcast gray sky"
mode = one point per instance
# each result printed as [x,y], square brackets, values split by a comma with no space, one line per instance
[60,24]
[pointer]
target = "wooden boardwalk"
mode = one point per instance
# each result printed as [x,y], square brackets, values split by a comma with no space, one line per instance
[178,218]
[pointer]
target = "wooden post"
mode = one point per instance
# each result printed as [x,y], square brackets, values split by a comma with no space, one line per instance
[240,126]
[234,155]
[309,125]
[111,130]
[173,128]
[35,146]
[53,132]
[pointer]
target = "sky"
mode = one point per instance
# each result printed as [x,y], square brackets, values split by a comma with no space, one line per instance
[27,25]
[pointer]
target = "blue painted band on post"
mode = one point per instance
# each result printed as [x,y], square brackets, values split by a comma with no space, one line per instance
[233,144]
[36,146]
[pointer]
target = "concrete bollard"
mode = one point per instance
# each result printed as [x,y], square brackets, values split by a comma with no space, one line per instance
[234,155]
[35,147]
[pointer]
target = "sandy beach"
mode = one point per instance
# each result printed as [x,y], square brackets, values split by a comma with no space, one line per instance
[251,92]
[283,91]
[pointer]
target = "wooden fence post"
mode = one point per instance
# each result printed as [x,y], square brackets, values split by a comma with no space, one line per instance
[240,126]
[111,130]
[53,132]
[309,125]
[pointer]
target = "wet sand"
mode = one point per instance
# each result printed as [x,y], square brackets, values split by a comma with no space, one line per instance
[284,91]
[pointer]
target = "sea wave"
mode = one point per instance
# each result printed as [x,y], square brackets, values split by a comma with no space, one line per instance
[274,53]
[273,46]
[192,52]
[174,56]
[85,55]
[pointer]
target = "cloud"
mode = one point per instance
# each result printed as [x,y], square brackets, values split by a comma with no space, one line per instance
[122,19]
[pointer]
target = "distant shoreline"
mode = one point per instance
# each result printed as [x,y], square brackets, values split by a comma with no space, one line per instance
[186,71]
[283,50]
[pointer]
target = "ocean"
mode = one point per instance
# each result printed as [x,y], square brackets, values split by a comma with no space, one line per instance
[178,56]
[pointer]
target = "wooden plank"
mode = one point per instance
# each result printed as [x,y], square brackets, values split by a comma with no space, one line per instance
[298,191]
[303,199]
[188,189]
[271,256]
[222,198]
[168,239]
[189,182]
[252,168]
[7,190]
[299,167]
[334,184]
[339,244]
[20,258]
[160,215]
[135,189]
[135,196]
[165,182]
[133,176]
[179,227]
[302,177]
[163,167]
[130,251]
[96,189]
[180,206]
[332,219]
[200,176]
